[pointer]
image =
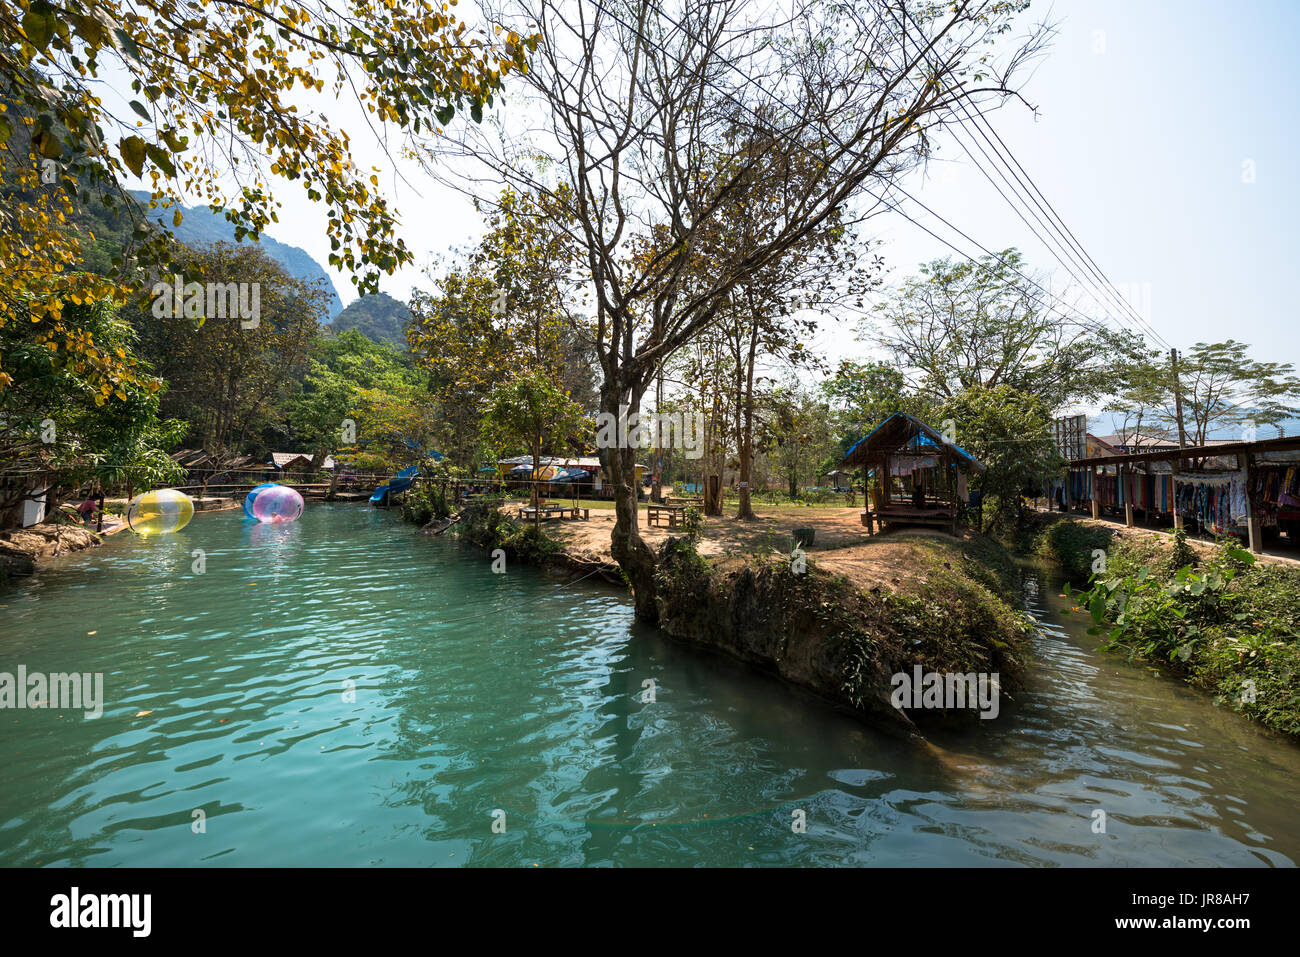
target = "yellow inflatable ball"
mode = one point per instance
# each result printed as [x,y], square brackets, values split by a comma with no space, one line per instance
[153,513]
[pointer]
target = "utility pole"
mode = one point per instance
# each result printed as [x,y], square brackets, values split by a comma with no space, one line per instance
[1182,433]
[1178,400]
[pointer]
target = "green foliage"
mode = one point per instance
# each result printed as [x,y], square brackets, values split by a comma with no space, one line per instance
[224,377]
[1073,546]
[681,570]
[370,383]
[498,314]
[53,424]
[692,523]
[864,394]
[530,412]
[1221,388]
[1182,555]
[1233,627]
[485,524]
[429,499]
[795,433]
[1010,433]
[426,502]
[961,326]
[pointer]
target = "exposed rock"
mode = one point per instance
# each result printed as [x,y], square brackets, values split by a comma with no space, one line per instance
[22,548]
[832,637]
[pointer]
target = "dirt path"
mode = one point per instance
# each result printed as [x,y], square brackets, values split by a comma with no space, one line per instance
[1279,553]
[835,528]
[841,545]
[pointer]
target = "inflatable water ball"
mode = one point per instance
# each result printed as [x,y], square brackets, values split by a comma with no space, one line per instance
[278,504]
[153,513]
[248,499]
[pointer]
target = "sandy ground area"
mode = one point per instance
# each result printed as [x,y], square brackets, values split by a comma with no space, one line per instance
[841,547]
[836,528]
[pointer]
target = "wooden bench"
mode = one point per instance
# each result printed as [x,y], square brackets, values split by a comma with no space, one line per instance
[906,515]
[548,512]
[555,511]
[696,500]
[655,514]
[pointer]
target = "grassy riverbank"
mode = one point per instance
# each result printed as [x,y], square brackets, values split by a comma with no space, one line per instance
[1219,618]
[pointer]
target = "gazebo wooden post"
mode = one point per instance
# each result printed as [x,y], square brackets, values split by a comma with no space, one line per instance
[1092,494]
[866,494]
[952,490]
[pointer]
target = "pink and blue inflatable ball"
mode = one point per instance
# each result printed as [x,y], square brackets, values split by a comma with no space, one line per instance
[277,504]
[248,499]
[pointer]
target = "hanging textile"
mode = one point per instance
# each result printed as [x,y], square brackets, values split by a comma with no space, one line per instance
[906,464]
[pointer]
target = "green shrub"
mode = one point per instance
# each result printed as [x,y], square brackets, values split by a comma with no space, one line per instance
[1183,555]
[425,503]
[692,522]
[1073,545]
[1231,627]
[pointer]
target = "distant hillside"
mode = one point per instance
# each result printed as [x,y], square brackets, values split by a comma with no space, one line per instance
[380,318]
[201,225]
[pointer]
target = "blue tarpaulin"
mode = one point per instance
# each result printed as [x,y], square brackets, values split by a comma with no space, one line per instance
[903,434]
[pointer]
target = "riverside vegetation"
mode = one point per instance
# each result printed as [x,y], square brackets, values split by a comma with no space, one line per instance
[1224,622]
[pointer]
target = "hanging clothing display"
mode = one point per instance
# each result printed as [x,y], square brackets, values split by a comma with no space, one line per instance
[1216,500]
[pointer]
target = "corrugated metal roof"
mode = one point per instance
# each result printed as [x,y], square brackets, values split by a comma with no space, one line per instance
[578,462]
[281,459]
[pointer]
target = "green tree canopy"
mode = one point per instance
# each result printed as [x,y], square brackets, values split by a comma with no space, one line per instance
[1011,434]
[960,324]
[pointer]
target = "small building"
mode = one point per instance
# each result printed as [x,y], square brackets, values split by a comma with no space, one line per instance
[298,462]
[842,479]
[207,468]
[916,476]
[519,469]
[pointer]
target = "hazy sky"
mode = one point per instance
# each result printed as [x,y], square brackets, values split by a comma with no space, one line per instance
[1165,137]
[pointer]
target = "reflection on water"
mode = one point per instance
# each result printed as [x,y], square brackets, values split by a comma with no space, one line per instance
[343,691]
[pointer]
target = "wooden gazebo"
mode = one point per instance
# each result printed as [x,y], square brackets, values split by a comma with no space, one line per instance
[920,477]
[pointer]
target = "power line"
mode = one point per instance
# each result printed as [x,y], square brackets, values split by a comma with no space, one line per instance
[1100,282]
[752,82]
[1097,269]
[1088,264]
[1089,285]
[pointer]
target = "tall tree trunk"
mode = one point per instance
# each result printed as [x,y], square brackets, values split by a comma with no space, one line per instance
[626,544]
[716,457]
[746,511]
[537,497]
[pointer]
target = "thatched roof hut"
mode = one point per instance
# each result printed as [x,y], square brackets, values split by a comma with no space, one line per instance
[920,477]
